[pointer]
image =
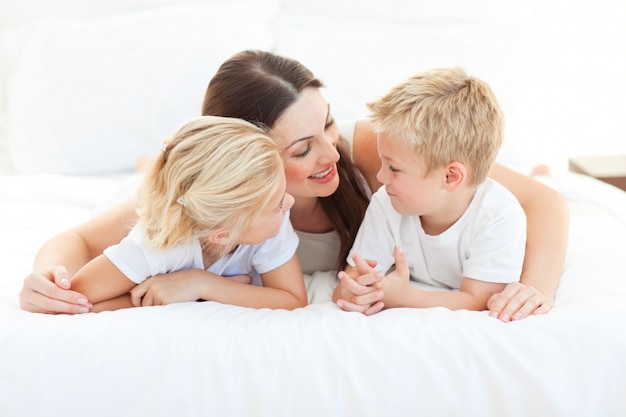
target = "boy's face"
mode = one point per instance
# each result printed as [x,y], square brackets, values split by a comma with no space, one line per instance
[403,176]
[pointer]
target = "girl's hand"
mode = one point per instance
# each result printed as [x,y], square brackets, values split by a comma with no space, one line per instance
[518,301]
[49,292]
[175,287]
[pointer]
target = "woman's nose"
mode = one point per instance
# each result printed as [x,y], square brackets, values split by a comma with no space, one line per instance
[330,152]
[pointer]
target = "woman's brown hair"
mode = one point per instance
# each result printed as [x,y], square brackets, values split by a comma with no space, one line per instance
[259,86]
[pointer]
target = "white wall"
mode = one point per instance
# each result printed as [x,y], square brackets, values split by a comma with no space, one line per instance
[558,67]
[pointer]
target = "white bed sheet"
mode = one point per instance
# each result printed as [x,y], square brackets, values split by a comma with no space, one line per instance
[212,359]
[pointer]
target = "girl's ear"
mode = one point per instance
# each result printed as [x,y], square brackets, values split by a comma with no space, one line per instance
[220,237]
[456,175]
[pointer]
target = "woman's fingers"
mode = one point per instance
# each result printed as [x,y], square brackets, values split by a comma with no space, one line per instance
[49,292]
[518,301]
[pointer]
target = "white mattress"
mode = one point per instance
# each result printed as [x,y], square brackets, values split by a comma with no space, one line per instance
[212,359]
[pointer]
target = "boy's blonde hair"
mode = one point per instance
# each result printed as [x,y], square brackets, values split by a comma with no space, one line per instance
[214,173]
[444,115]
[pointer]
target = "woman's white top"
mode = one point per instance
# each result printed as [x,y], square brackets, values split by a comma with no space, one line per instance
[318,251]
[138,261]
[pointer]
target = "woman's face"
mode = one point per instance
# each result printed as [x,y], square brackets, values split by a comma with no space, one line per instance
[308,137]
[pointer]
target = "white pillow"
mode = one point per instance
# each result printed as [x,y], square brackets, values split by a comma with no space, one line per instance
[90,96]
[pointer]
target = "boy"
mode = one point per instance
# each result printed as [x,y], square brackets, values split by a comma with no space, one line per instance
[438,217]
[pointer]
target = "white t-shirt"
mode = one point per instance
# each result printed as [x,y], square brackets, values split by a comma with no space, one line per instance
[487,243]
[138,261]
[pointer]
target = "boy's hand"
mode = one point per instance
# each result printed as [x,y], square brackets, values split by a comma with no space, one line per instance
[396,283]
[359,290]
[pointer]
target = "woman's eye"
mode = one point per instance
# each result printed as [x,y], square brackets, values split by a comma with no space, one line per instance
[305,152]
[329,123]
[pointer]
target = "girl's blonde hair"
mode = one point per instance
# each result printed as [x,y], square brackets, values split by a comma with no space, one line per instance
[444,115]
[214,173]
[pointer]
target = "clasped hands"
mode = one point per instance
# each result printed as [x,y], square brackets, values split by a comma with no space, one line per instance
[363,289]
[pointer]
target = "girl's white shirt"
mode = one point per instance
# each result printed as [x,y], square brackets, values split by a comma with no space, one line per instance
[138,261]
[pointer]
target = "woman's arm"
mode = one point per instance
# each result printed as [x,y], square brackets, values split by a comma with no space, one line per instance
[365,152]
[47,288]
[282,288]
[547,232]
[547,217]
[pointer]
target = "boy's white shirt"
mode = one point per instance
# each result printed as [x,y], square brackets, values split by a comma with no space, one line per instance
[487,243]
[138,261]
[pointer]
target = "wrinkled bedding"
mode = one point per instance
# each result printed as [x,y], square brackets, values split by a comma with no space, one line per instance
[213,359]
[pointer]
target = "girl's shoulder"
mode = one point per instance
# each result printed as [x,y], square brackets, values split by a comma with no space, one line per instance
[285,239]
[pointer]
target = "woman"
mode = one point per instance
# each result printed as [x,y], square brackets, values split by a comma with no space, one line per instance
[283,94]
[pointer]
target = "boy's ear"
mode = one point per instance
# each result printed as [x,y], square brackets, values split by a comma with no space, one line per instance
[220,237]
[456,174]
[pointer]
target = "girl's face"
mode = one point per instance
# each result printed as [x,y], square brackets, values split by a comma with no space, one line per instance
[267,224]
[308,137]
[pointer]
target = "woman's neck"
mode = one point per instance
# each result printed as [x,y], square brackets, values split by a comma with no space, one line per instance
[307,216]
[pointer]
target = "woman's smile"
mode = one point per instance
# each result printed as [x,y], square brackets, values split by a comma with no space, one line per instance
[325,176]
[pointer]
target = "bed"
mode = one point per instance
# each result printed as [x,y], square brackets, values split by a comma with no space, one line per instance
[214,359]
[69,145]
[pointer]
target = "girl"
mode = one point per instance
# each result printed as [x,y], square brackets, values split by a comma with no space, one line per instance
[214,200]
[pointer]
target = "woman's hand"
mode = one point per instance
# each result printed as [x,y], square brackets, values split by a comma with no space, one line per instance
[518,301]
[49,292]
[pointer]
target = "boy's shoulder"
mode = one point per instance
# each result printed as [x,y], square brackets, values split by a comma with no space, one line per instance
[494,189]
[496,197]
